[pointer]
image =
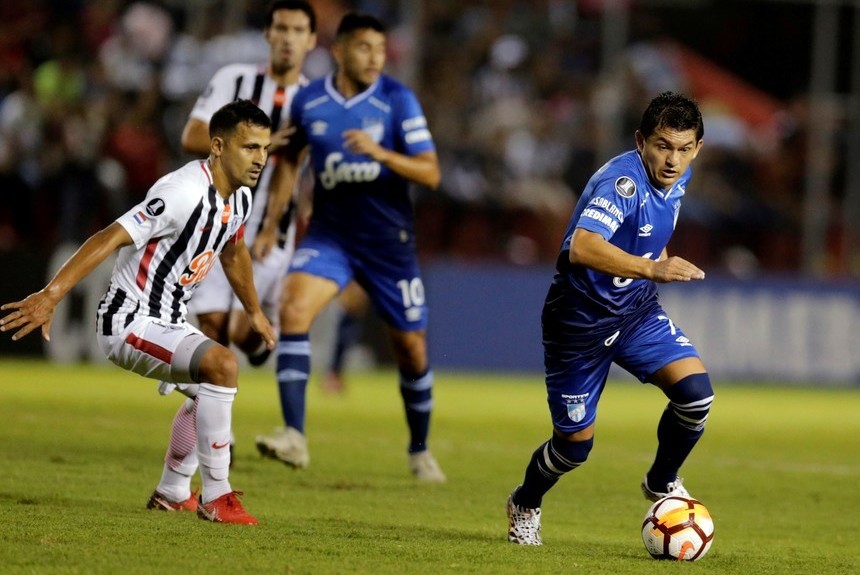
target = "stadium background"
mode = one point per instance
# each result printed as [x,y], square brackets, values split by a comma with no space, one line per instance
[525,99]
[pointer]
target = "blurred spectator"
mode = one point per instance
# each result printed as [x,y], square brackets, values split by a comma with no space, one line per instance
[93,96]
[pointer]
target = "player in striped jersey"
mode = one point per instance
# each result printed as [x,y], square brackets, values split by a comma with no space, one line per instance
[367,139]
[290,31]
[166,246]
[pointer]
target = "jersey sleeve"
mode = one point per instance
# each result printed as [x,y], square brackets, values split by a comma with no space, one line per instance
[157,215]
[411,125]
[218,92]
[608,206]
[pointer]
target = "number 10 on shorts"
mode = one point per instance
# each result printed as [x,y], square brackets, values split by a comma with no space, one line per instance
[412,294]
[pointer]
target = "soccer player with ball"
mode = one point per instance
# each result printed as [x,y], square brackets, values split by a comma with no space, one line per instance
[602,307]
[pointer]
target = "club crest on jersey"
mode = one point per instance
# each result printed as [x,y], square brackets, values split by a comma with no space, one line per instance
[625,187]
[155,207]
[233,225]
[575,406]
[319,128]
[374,128]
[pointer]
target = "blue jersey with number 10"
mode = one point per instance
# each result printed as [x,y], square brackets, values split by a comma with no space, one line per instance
[620,204]
[355,196]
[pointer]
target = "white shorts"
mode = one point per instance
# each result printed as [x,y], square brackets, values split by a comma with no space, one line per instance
[214,293]
[156,349]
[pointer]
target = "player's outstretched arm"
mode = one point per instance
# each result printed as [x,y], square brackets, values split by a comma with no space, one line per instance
[236,261]
[422,168]
[591,250]
[38,309]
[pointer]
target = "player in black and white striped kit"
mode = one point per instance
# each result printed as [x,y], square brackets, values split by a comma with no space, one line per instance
[291,33]
[166,245]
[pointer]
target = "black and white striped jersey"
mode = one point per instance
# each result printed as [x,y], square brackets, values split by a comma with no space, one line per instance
[178,231]
[251,82]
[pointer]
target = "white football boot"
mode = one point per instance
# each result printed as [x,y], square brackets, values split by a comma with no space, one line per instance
[523,523]
[286,444]
[672,488]
[425,468]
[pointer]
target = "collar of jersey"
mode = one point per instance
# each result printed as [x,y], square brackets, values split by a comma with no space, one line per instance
[338,97]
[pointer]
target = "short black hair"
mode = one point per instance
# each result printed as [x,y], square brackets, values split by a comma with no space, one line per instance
[674,111]
[296,5]
[229,116]
[353,21]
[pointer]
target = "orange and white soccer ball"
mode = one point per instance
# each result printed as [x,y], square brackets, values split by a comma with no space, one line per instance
[678,528]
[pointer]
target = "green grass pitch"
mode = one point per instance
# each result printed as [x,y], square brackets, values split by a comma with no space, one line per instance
[81,449]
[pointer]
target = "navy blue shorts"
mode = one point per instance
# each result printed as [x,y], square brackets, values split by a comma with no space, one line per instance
[577,364]
[388,272]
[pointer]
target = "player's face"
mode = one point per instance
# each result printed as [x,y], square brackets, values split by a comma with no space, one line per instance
[361,56]
[290,39]
[667,154]
[243,154]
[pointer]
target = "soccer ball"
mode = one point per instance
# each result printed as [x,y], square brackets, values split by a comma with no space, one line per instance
[678,528]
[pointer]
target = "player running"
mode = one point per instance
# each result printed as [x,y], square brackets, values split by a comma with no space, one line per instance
[367,139]
[602,307]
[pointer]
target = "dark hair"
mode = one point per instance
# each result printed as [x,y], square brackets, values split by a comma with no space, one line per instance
[228,117]
[674,111]
[296,5]
[353,21]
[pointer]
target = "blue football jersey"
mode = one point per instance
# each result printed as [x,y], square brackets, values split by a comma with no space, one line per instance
[354,195]
[621,204]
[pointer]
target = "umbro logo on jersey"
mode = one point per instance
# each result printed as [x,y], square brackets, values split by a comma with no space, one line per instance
[155,207]
[645,230]
[625,187]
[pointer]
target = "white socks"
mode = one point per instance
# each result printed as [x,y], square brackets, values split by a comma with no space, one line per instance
[214,417]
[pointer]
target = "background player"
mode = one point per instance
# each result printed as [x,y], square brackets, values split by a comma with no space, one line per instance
[367,138]
[290,31]
[602,307]
[167,244]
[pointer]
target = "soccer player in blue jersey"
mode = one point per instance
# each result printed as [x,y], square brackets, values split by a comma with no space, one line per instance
[367,139]
[602,307]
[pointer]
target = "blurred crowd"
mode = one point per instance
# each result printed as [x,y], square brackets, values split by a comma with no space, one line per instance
[521,99]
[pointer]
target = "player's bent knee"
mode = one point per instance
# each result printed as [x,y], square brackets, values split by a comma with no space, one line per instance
[690,399]
[570,454]
[219,366]
[295,316]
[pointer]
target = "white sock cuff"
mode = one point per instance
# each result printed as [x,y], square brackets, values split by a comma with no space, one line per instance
[217,391]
